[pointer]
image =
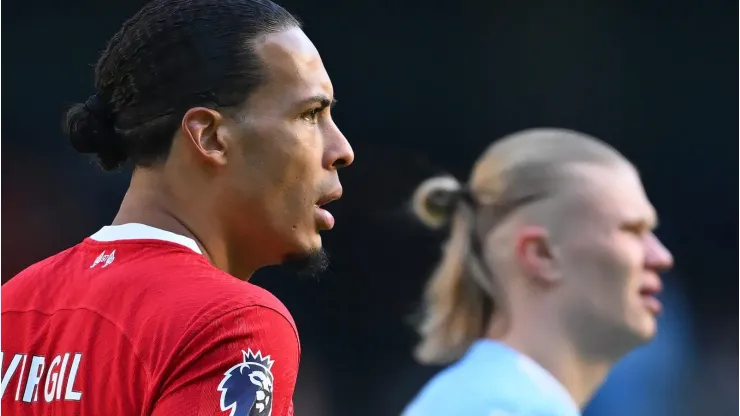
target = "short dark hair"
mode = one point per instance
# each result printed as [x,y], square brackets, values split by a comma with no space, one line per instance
[171,56]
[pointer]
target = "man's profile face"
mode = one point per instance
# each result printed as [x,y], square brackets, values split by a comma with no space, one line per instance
[289,150]
[611,260]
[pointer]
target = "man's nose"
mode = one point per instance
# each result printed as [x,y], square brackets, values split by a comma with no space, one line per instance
[657,256]
[338,153]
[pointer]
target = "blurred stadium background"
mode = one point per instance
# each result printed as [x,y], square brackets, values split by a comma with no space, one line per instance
[423,88]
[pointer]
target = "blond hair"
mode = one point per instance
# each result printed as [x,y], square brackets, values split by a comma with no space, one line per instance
[462,295]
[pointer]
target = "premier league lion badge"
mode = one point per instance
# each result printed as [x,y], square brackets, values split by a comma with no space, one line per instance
[246,389]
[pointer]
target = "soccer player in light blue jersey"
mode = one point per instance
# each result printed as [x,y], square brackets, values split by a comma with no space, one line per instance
[549,276]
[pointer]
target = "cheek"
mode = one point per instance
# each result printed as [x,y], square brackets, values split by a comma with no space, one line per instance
[292,172]
[298,172]
[286,162]
[274,176]
[628,257]
[599,273]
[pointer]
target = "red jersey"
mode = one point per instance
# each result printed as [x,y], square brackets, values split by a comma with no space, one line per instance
[135,321]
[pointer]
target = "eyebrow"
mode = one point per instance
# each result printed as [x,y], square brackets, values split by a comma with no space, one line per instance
[650,222]
[323,100]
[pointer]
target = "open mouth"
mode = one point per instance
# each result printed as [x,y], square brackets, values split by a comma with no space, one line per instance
[325,219]
[649,296]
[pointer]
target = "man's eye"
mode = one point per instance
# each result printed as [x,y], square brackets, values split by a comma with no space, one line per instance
[312,115]
[636,229]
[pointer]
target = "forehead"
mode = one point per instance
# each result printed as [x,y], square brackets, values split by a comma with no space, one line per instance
[614,194]
[294,67]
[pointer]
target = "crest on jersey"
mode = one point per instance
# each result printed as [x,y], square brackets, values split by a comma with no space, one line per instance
[104,259]
[246,389]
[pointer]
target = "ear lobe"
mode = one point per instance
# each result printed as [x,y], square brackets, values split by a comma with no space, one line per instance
[536,255]
[201,126]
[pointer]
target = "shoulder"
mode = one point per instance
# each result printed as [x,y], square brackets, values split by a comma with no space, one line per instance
[200,298]
[177,300]
[480,390]
[478,405]
[211,293]
[33,278]
[210,321]
[42,266]
[470,405]
[173,280]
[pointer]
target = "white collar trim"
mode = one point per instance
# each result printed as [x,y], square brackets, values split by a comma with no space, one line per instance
[134,231]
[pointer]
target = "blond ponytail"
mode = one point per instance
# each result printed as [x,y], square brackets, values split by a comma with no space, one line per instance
[458,297]
[463,295]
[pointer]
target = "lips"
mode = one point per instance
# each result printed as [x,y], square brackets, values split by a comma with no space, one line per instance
[651,287]
[332,196]
[324,217]
[649,292]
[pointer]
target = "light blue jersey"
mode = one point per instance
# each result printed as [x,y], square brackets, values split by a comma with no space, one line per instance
[493,379]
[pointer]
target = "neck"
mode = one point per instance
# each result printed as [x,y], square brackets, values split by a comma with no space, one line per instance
[580,376]
[151,201]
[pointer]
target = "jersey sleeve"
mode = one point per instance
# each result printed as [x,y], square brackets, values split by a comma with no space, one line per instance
[243,363]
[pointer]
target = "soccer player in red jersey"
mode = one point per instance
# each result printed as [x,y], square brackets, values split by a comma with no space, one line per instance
[223,107]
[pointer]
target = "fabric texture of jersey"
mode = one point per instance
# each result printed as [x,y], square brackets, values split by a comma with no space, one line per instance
[135,321]
[493,379]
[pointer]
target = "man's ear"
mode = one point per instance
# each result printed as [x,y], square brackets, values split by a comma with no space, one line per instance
[201,126]
[536,255]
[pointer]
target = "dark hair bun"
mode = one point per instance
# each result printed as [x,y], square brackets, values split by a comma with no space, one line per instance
[90,129]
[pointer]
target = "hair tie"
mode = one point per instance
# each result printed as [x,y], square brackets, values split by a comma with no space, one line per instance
[466,195]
